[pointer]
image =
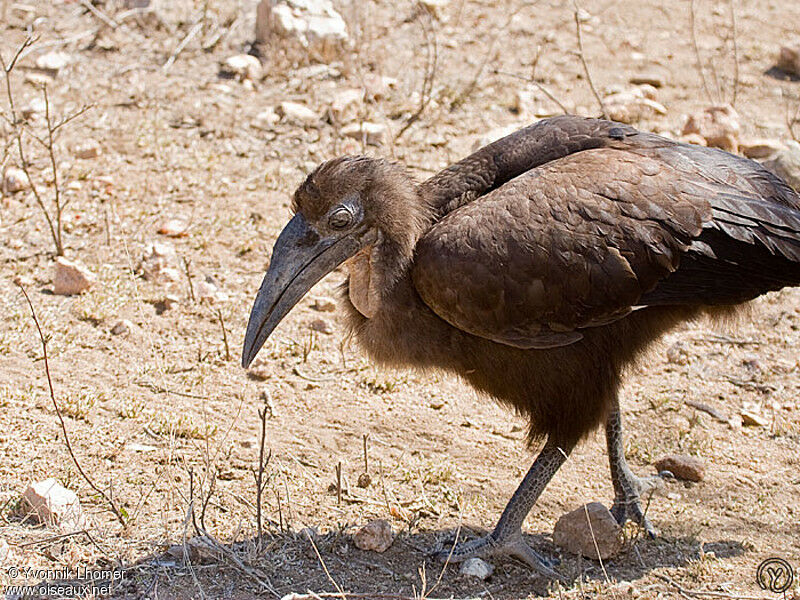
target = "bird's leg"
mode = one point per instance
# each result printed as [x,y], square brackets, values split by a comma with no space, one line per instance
[628,488]
[507,535]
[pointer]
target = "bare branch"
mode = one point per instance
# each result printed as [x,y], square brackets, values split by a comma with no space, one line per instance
[43,340]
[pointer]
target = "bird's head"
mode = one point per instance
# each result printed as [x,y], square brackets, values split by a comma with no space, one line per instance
[349,207]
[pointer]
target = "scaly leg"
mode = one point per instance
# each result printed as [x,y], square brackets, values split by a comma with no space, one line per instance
[507,535]
[627,486]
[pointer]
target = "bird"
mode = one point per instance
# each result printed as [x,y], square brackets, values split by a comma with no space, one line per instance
[537,269]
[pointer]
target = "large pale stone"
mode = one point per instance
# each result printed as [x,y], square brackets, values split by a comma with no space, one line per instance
[54,505]
[376,535]
[315,24]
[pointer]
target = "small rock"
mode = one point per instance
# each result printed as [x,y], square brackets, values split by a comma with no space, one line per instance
[298,114]
[634,105]
[37,106]
[718,125]
[345,104]
[476,567]
[378,86]
[753,419]
[242,66]
[324,305]
[170,301]
[364,480]
[376,536]
[260,368]
[87,149]
[208,290]
[647,79]
[435,7]
[158,257]
[686,468]
[695,139]
[53,61]
[789,60]
[373,133]
[71,277]
[54,505]
[141,448]
[15,180]
[308,532]
[760,148]
[322,326]
[198,551]
[174,228]
[315,24]
[266,119]
[573,532]
[735,422]
[678,354]
[786,165]
[122,327]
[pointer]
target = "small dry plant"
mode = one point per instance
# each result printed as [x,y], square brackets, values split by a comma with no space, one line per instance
[31,142]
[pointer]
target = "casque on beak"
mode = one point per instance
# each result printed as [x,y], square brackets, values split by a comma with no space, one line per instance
[300,258]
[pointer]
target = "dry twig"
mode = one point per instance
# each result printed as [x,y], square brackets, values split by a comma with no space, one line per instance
[582,56]
[118,512]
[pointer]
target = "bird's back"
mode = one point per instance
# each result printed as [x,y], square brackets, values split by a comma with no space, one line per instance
[581,221]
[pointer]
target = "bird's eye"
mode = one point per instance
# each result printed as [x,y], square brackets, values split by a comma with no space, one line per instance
[340,218]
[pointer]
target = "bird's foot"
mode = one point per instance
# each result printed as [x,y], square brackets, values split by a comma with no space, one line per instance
[497,545]
[629,506]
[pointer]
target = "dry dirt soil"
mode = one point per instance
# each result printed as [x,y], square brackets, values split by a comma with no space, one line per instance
[164,420]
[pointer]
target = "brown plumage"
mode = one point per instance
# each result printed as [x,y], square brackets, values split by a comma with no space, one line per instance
[537,269]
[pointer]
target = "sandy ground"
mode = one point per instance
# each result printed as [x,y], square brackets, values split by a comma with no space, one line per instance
[164,419]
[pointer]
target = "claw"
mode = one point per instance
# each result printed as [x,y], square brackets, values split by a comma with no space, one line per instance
[488,546]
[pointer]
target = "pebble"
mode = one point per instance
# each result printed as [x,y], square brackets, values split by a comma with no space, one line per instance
[324,305]
[53,61]
[296,113]
[753,419]
[759,148]
[242,66]
[686,468]
[789,60]
[266,119]
[476,567]
[122,327]
[15,180]
[71,277]
[260,368]
[647,78]
[174,228]
[313,23]
[157,258]
[87,149]
[376,536]
[633,105]
[374,134]
[718,125]
[786,164]
[573,532]
[37,106]
[678,354]
[435,8]
[345,104]
[54,505]
[322,326]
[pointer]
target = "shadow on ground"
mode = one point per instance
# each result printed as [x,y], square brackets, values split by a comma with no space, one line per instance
[290,563]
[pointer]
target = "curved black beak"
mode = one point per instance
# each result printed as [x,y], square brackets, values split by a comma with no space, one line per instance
[300,259]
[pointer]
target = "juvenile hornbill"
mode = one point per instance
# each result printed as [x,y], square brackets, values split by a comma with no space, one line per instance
[537,269]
